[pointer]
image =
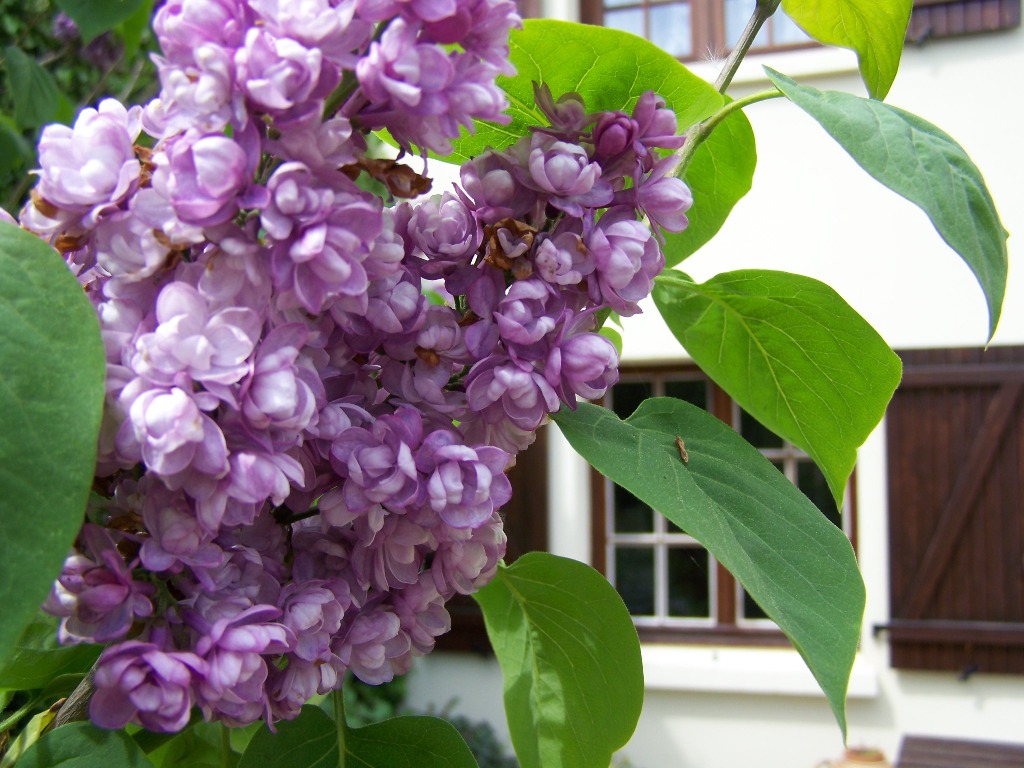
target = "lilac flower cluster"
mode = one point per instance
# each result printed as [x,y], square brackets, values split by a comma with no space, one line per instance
[302,458]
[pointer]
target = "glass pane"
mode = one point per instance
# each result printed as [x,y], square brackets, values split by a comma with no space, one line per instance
[693,392]
[785,31]
[619,3]
[737,13]
[751,610]
[634,578]
[631,20]
[671,29]
[689,582]
[631,514]
[756,433]
[810,480]
[627,395]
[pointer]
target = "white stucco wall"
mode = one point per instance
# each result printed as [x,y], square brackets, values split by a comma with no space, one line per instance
[813,211]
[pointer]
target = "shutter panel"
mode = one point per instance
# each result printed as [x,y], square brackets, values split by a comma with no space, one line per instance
[947,18]
[955,432]
[526,526]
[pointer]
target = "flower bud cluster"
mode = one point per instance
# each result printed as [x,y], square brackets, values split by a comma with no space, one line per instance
[302,458]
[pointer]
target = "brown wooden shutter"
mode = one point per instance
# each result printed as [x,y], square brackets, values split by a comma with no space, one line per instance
[948,18]
[955,432]
[526,525]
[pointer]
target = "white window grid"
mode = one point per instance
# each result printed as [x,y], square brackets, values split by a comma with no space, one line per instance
[787,456]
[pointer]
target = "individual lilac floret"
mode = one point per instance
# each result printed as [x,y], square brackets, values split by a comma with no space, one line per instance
[276,74]
[208,177]
[313,611]
[208,346]
[166,430]
[234,649]
[465,485]
[328,25]
[282,392]
[563,172]
[467,558]
[445,231]
[141,682]
[96,594]
[626,257]
[379,462]
[93,164]
[581,363]
[183,25]
[375,648]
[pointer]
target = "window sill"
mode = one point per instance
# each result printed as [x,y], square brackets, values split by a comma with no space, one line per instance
[769,671]
[796,63]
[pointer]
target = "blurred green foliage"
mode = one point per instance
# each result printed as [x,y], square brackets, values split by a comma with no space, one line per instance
[48,73]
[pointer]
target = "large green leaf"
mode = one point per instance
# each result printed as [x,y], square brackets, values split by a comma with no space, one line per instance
[37,99]
[38,658]
[875,29]
[311,741]
[922,163]
[797,565]
[720,173]
[919,161]
[82,745]
[94,17]
[51,395]
[792,353]
[570,658]
[609,68]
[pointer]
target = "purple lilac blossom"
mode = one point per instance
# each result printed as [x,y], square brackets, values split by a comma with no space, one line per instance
[304,456]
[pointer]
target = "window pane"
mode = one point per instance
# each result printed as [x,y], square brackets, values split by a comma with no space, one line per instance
[627,395]
[631,20]
[785,31]
[619,3]
[756,433]
[693,392]
[810,480]
[634,579]
[631,514]
[689,582]
[737,13]
[671,28]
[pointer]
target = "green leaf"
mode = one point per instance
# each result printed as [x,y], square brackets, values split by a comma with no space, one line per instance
[609,68]
[82,745]
[52,366]
[408,742]
[797,565]
[920,162]
[720,173]
[28,736]
[311,741]
[15,151]
[308,741]
[38,658]
[94,17]
[792,353]
[875,29]
[570,658]
[37,99]
[131,29]
[200,745]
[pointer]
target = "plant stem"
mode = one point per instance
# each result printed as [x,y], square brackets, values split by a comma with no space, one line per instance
[340,723]
[762,12]
[698,133]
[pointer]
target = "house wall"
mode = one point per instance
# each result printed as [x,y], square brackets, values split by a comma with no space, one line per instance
[814,212]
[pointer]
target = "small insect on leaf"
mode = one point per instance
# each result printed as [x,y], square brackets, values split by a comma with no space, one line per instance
[682,450]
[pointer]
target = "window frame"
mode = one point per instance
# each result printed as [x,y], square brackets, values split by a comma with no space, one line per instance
[707,23]
[725,625]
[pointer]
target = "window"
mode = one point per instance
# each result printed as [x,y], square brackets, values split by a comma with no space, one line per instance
[692,29]
[955,442]
[707,29]
[670,583]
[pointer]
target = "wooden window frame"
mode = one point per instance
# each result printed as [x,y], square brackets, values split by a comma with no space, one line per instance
[725,626]
[930,20]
